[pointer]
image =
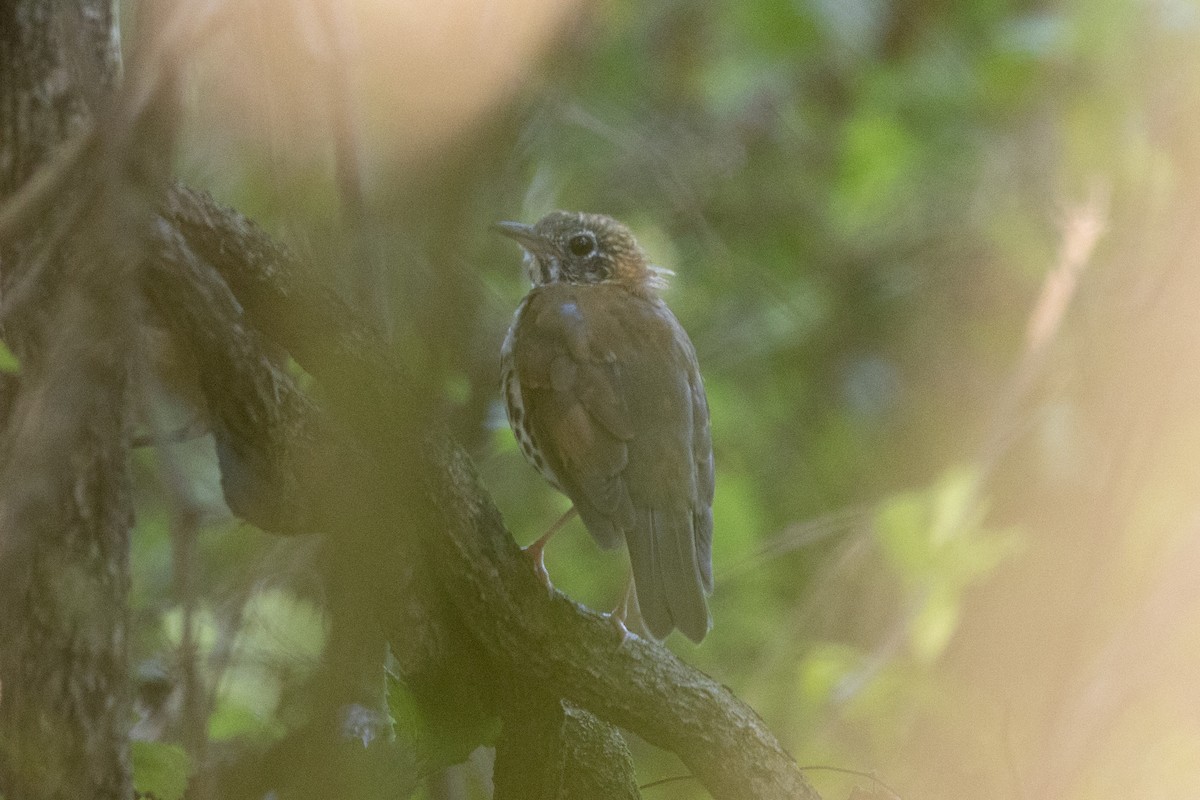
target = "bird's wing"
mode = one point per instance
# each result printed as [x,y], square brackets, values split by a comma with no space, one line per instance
[702,458]
[614,400]
[575,411]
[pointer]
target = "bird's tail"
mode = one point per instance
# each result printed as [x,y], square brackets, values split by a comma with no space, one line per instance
[668,573]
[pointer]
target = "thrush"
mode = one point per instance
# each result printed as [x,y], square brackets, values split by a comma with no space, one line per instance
[604,395]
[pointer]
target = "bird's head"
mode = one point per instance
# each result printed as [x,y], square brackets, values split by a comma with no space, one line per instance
[572,247]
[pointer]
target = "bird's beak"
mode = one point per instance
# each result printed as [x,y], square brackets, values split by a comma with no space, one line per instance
[521,233]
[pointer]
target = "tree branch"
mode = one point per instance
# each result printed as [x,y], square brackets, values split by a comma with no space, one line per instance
[551,750]
[635,684]
[263,424]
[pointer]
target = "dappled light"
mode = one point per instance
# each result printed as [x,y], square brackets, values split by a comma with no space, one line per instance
[939,265]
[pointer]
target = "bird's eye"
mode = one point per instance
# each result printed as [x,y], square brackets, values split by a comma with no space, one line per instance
[581,244]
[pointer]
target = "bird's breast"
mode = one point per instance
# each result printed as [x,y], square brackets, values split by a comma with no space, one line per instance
[514,404]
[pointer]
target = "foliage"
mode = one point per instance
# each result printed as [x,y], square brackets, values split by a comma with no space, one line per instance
[932,538]
[160,770]
[8,361]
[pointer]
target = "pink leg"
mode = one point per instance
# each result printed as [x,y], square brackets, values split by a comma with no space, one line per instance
[536,551]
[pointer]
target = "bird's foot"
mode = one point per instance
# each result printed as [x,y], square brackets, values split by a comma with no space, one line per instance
[627,611]
[617,620]
[536,553]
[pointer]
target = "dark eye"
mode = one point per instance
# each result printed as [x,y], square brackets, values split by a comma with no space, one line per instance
[581,244]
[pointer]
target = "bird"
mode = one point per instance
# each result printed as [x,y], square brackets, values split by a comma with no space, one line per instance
[604,394]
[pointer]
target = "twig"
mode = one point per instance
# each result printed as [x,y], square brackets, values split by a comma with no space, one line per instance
[871,776]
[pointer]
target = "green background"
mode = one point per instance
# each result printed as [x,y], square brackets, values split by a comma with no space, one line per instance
[948,552]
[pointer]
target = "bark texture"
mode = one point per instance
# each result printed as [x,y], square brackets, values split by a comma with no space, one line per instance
[553,750]
[68,305]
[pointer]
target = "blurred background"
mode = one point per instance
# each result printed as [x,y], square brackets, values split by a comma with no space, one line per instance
[939,261]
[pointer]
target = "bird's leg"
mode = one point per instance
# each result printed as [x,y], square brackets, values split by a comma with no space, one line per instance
[627,616]
[536,551]
[619,614]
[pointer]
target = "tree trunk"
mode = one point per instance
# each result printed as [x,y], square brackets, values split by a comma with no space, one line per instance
[67,304]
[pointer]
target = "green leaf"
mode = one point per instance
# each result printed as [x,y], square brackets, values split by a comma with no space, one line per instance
[232,720]
[901,524]
[205,629]
[281,627]
[879,157]
[826,665]
[8,361]
[956,505]
[935,624]
[160,770]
